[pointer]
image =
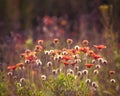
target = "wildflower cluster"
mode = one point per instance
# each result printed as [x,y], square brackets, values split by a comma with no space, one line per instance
[77,69]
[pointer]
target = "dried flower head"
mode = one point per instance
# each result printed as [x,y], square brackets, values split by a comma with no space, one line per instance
[69,41]
[77,60]
[94,84]
[40,42]
[96,72]
[112,80]
[49,64]
[59,70]
[10,73]
[97,66]
[43,77]
[46,52]
[64,52]
[76,56]
[56,41]
[88,81]
[85,72]
[27,61]
[59,57]
[77,47]
[38,62]
[70,71]
[54,72]
[100,60]
[22,80]
[104,61]
[79,73]
[93,61]
[112,72]
[76,68]
[85,42]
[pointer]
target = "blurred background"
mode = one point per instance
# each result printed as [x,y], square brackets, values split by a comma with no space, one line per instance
[22,22]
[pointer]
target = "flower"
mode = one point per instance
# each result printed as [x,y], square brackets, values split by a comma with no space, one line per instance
[22,80]
[84,49]
[66,58]
[79,73]
[76,47]
[56,41]
[54,72]
[97,66]
[112,80]
[112,72]
[100,46]
[89,65]
[76,68]
[104,61]
[49,64]
[70,71]
[19,65]
[95,56]
[38,62]
[94,84]
[27,51]
[69,41]
[11,67]
[10,73]
[85,42]
[88,81]
[93,61]
[40,42]
[96,72]
[85,72]
[38,48]
[73,63]
[43,77]
[66,63]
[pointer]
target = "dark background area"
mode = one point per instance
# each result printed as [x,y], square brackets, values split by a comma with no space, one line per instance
[21,14]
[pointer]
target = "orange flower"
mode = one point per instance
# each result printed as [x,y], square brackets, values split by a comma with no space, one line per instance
[73,51]
[11,67]
[89,65]
[95,56]
[66,58]
[73,63]
[84,49]
[66,63]
[90,52]
[100,46]
[19,65]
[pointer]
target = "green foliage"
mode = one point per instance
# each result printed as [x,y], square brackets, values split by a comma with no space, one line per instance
[3,85]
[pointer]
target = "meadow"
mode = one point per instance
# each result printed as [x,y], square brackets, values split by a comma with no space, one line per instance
[62,68]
